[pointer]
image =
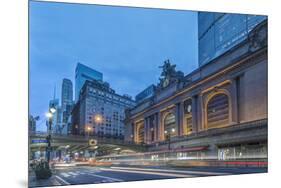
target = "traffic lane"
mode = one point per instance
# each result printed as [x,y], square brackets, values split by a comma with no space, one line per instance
[90,175]
[135,175]
[93,175]
[207,170]
[170,171]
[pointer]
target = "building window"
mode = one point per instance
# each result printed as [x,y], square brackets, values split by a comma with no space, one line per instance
[170,125]
[188,116]
[218,111]
[140,132]
[188,125]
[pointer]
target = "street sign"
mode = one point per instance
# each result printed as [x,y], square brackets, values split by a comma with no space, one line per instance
[38,141]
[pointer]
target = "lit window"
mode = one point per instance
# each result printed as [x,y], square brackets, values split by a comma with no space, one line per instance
[218,111]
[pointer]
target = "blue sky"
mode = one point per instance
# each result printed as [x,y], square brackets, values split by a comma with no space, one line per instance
[126,44]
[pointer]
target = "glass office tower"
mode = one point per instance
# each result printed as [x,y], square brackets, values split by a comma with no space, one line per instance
[83,73]
[218,32]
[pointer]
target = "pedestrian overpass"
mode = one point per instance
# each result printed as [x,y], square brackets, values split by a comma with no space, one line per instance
[76,143]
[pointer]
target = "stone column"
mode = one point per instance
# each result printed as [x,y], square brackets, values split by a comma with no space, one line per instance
[200,113]
[145,130]
[234,100]
[195,114]
[159,126]
[155,127]
[181,118]
[148,131]
[132,132]
[135,132]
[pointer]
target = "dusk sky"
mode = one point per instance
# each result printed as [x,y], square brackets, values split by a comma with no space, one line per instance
[126,44]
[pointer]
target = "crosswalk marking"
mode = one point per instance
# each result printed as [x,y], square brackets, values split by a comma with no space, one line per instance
[65,174]
[91,173]
[73,173]
[62,180]
[107,178]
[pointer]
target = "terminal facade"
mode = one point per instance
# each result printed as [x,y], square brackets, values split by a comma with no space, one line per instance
[217,111]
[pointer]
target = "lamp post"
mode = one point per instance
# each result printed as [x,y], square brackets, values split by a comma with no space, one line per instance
[88,129]
[97,119]
[132,138]
[168,137]
[49,115]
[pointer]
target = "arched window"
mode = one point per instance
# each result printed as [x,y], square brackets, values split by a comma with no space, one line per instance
[170,125]
[188,117]
[140,132]
[218,111]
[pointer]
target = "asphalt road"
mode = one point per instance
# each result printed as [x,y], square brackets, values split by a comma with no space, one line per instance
[94,175]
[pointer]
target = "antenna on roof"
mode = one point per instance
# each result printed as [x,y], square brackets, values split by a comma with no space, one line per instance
[55,92]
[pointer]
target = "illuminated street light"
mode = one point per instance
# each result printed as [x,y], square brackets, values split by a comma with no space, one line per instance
[49,115]
[168,136]
[98,118]
[52,110]
[89,128]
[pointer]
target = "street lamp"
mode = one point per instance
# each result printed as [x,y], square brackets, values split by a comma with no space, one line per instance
[49,115]
[168,137]
[52,110]
[98,118]
[88,129]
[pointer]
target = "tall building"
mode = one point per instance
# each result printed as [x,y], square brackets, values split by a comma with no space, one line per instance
[32,123]
[100,111]
[66,93]
[66,104]
[83,73]
[146,93]
[219,32]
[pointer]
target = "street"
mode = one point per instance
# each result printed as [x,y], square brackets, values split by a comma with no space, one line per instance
[73,175]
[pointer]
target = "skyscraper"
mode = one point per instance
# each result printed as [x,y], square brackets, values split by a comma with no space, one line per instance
[66,103]
[83,73]
[219,32]
[66,93]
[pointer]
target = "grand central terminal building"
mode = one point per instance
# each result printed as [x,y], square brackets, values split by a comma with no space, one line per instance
[218,111]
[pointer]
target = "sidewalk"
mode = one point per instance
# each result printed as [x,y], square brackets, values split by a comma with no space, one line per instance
[33,182]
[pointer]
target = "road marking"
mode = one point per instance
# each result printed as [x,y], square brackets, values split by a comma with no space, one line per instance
[174,171]
[73,173]
[65,174]
[65,182]
[151,173]
[105,177]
